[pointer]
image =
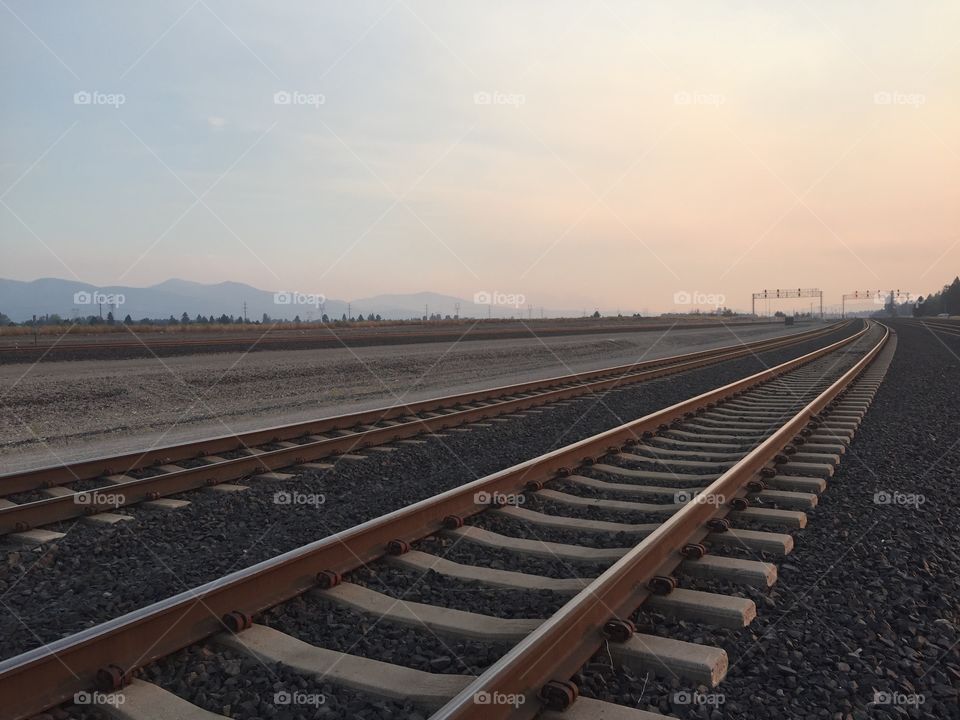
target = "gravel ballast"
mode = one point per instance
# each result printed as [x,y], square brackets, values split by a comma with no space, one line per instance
[864,621]
[96,572]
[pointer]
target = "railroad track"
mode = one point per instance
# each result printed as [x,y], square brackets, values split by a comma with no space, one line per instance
[34,499]
[709,471]
[941,327]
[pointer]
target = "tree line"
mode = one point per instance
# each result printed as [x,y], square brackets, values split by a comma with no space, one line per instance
[184,319]
[945,301]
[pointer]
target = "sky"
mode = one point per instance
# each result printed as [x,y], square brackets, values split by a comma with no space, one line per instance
[618,155]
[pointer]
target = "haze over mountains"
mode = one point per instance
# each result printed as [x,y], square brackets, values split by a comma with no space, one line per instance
[21,300]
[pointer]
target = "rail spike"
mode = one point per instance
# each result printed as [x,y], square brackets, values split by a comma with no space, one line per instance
[756,486]
[718,525]
[558,695]
[327,579]
[398,547]
[693,551]
[619,630]
[662,584]
[111,678]
[237,621]
[452,522]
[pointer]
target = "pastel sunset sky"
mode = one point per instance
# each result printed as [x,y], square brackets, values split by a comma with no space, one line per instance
[584,154]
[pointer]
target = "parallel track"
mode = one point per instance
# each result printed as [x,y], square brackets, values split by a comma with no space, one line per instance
[151,474]
[745,448]
[940,326]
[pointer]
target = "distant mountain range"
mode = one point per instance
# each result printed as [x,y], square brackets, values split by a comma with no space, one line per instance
[21,300]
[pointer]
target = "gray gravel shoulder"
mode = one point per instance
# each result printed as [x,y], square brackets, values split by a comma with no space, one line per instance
[61,411]
[96,573]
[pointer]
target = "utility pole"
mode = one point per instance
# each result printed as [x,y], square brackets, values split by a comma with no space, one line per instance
[456,312]
[244,311]
[349,312]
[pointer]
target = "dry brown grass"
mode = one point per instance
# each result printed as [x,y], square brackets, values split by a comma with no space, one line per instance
[193,328]
[214,328]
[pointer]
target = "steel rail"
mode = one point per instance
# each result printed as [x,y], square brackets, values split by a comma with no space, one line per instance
[26,516]
[565,642]
[945,327]
[63,474]
[49,675]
